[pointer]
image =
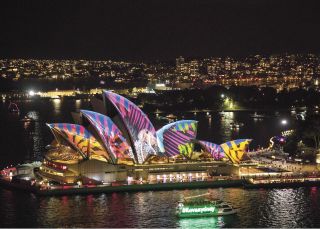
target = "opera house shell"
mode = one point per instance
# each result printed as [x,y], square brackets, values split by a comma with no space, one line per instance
[106,144]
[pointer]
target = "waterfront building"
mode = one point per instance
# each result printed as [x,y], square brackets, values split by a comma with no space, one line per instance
[118,143]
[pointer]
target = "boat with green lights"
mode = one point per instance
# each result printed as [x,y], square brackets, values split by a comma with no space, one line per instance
[197,206]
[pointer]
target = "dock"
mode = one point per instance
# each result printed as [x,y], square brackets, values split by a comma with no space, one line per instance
[247,183]
[290,182]
[73,190]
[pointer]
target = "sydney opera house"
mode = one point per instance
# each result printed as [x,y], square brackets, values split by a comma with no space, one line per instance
[117,143]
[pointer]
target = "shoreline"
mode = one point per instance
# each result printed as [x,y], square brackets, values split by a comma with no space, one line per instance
[239,183]
[121,188]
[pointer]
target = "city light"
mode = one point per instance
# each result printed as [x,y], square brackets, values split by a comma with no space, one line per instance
[284,122]
[31,93]
[222,95]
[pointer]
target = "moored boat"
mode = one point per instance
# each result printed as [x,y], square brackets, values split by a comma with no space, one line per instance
[13,108]
[236,125]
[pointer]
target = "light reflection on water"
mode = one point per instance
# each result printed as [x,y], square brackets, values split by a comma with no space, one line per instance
[206,222]
[78,105]
[258,208]
[36,135]
[226,119]
[56,106]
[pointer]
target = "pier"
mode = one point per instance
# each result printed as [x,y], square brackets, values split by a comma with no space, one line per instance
[247,183]
[91,189]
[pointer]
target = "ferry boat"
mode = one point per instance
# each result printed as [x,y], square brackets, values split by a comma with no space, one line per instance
[197,206]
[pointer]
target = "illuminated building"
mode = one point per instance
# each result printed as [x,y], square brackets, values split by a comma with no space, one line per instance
[118,143]
[175,138]
[180,64]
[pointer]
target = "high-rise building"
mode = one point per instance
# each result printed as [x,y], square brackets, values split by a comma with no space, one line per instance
[194,68]
[187,68]
[180,65]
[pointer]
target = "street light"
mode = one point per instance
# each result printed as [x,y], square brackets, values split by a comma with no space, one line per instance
[222,95]
[284,122]
[31,93]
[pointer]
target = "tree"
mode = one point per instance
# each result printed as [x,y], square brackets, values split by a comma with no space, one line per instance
[312,130]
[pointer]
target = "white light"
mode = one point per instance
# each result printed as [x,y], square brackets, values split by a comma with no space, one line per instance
[284,122]
[222,95]
[31,93]
[160,85]
[56,101]
[195,210]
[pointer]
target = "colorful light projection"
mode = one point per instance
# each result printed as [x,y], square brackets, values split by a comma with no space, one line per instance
[235,149]
[214,149]
[81,139]
[110,134]
[140,129]
[174,138]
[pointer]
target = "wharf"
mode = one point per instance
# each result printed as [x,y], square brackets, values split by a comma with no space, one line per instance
[95,189]
[282,183]
[71,190]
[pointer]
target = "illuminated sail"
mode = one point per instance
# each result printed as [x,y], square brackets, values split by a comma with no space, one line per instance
[235,149]
[110,134]
[214,149]
[175,138]
[141,131]
[79,138]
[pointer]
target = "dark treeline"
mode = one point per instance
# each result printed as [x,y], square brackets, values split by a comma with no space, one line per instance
[305,140]
[235,97]
[241,98]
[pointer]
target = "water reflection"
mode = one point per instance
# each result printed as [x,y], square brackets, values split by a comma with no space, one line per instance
[258,208]
[209,122]
[56,106]
[287,203]
[226,119]
[78,105]
[206,222]
[36,135]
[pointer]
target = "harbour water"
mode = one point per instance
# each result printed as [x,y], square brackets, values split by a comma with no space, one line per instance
[297,207]
[258,208]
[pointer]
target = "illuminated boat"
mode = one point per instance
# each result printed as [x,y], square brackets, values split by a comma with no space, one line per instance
[196,206]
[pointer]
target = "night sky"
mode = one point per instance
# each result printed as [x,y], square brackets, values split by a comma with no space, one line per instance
[151,30]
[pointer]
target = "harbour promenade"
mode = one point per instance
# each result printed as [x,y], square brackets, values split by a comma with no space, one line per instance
[289,166]
[91,189]
[280,181]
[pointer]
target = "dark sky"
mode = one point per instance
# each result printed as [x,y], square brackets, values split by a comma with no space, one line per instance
[149,30]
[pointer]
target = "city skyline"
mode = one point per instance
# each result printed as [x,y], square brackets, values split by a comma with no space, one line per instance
[278,71]
[157,30]
[160,113]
